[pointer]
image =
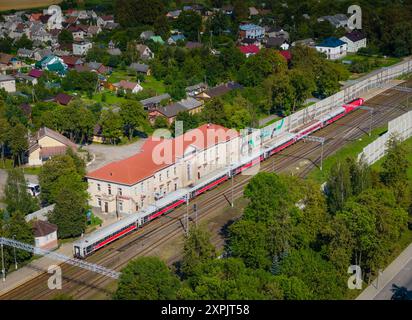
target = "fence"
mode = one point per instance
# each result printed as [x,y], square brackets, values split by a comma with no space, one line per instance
[400,127]
[375,79]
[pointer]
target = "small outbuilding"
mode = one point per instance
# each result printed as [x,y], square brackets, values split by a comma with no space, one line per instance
[45,235]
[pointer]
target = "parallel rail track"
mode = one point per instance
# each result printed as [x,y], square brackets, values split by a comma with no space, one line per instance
[83,284]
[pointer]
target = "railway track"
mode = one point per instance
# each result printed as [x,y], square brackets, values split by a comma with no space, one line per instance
[82,284]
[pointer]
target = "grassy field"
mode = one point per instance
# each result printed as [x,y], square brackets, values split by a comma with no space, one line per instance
[26,4]
[350,150]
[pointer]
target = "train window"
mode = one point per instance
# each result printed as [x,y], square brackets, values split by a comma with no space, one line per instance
[109,189]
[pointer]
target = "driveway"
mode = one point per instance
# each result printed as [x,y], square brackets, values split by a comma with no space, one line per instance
[103,154]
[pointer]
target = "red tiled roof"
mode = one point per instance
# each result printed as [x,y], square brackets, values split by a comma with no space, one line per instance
[127,84]
[63,99]
[142,165]
[252,49]
[35,73]
[70,60]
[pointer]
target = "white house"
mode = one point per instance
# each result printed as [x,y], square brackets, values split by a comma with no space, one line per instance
[81,48]
[134,87]
[355,40]
[45,235]
[7,83]
[333,48]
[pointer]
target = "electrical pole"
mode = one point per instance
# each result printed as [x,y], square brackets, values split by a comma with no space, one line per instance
[3,271]
[14,249]
[232,204]
[321,157]
[195,210]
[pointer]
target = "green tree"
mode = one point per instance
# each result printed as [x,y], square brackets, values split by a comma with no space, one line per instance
[65,37]
[132,13]
[162,26]
[111,123]
[190,23]
[4,132]
[147,278]
[303,85]
[133,117]
[197,249]
[339,187]
[16,196]
[69,213]
[24,42]
[18,142]
[240,10]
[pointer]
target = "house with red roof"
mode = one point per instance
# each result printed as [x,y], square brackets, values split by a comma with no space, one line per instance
[63,99]
[162,167]
[249,50]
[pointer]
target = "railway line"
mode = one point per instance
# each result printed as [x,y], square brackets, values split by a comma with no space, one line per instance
[82,284]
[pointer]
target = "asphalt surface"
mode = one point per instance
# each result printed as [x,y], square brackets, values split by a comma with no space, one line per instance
[401,281]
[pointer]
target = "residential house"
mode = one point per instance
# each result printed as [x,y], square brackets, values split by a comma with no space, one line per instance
[45,235]
[41,54]
[196,89]
[251,31]
[338,20]
[9,62]
[249,50]
[309,42]
[93,31]
[170,111]
[97,67]
[52,63]
[277,43]
[25,53]
[72,61]
[175,38]
[32,77]
[134,87]
[253,12]
[219,90]
[277,32]
[355,40]
[228,9]
[157,39]
[80,48]
[63,99]
[250,41]
[132,184]
[45,144]
[7,83]
[104,20]
[173,14]
[154,102]
[146,35]
[144,52]
[140,68]
[333,48]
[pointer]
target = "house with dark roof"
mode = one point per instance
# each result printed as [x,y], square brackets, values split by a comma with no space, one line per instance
[219,90]
[170,111]
[333,48]
[140,68]
[63,99]
[339,20]
[196,89]
[155,101]
[45,144]
[72,61]
[355,40]
[277,43]
[45,235]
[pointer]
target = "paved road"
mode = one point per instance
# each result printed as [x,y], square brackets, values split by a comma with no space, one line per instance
[398,273]
[104,154]
[401,280]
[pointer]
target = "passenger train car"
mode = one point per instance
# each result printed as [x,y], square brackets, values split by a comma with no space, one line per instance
[89,244]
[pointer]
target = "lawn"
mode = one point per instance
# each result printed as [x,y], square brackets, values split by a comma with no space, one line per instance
[26,4]
[408,146]
[350,150]
[111,97]
[379,61]
[151,83]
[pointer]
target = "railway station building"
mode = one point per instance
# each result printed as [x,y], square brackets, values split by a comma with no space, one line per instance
[163,166]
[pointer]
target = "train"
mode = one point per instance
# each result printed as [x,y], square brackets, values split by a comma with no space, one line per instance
[102,237]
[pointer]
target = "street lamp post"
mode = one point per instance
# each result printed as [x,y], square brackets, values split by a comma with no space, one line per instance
[14,249]
[232,204]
